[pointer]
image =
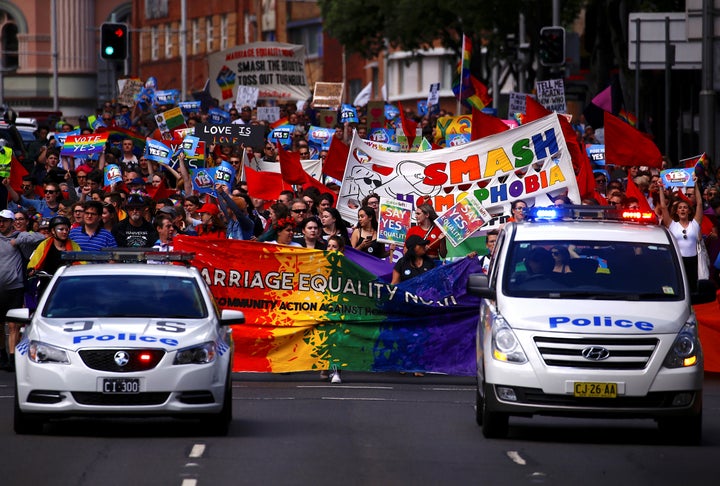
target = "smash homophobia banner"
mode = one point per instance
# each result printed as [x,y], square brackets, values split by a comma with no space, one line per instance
[276,69]
[308,309]
[530,162]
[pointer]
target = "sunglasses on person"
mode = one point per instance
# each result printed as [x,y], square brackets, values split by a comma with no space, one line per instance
[50,191]
[298,211]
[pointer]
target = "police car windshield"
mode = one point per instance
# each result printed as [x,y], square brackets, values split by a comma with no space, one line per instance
[96,296]
[593,270]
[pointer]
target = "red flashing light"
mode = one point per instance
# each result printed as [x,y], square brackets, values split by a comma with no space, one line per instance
[145,357]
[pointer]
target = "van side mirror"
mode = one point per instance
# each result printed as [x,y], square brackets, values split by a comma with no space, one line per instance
[478,284]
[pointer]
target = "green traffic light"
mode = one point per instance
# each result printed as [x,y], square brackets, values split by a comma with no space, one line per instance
[109,50]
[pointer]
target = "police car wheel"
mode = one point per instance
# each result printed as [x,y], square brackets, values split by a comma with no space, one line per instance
[494,424]
[23,423]
[219,424]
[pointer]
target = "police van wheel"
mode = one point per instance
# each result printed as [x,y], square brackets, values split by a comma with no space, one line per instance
[682,430]
[24,423]
[494,424]
[478,407]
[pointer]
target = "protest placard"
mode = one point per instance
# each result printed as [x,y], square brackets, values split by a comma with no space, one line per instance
[268,113]
[677,177]
[328,95]
[231,134]
[247,96]
[394,219]
[551,94]
[276,69]
[84,145]
[462,220]
[129,90]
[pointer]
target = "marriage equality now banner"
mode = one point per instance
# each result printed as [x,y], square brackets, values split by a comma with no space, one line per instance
[308,309]
[530,162]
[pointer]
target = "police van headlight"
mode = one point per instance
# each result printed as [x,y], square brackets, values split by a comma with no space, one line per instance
[505,345]
[685,350]
[39,352]
[201,354]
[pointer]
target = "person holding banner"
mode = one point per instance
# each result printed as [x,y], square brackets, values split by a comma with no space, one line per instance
[426,229]
[364,236]
[310,238]
[284,231]
[414,262]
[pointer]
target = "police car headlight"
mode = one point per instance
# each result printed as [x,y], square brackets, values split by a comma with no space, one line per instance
[685,350]
[39,352]
[202,354]
[505,345]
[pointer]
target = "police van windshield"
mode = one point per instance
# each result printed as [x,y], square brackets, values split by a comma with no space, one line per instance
[158,296]
[593,270]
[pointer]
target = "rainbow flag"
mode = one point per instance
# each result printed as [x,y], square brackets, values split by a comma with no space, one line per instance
[308,309]
[463,67]
[84,145]
[699,163]
[627,117]
[117,134]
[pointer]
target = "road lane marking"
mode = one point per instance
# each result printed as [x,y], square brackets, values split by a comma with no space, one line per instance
[516,458]
[438,388]
[189,482]
[197,450]
[353,387]
[361,399]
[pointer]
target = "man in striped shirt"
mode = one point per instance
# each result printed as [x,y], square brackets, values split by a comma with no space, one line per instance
[91,236]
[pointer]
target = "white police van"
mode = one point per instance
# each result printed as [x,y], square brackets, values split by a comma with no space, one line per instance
[586,312]
[125,339]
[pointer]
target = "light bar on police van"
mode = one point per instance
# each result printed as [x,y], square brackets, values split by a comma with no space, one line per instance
[581,212]
[127,255]
[637,215]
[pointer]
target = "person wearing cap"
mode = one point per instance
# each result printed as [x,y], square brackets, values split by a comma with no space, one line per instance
[211,226]
[415,261]
[135,231]
[13,245]
[91,236]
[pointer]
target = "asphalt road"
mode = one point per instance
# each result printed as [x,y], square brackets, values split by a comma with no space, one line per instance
[382,429]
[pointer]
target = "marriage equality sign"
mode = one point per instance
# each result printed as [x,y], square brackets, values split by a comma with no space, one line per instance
[529,163]
[276,69]
[309,309]
[462,220]
[84,145]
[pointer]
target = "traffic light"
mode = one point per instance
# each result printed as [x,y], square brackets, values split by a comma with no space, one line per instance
[552,46]
[113,41]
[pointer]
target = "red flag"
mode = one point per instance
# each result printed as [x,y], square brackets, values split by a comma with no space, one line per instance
[336,159]
[290,167]
[408,126]
[632,190]
[483,125]
[585,177]
[627,146]
[160,192]
[17,172]
[312,182]
[534,110]
[265,185]
[600,198]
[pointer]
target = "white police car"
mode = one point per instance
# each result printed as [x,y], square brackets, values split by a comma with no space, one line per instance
[585,313]
[124,340]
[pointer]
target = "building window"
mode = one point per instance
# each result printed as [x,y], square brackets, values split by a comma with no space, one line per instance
[309,35]
[168,41]
[9,46]
[154,44]
[223,32]
[196,36]
[209,39]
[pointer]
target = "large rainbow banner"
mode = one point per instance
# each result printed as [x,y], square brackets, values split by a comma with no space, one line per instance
[308,309]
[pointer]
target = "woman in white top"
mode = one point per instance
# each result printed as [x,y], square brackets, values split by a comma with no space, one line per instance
[684,225]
